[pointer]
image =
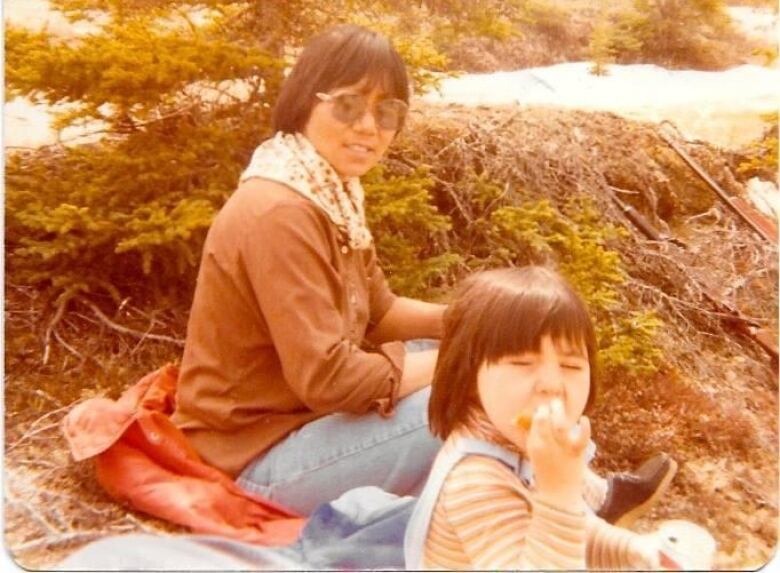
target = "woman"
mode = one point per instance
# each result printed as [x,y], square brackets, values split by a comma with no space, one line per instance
[294,378]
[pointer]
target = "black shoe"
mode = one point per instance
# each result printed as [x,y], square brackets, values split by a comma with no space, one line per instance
[630,495]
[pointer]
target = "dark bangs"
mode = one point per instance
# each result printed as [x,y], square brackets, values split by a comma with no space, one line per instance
[496,314]
[366,55]
[341,56]
[523,305]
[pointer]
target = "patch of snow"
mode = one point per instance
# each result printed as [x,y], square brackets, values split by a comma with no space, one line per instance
[759,23]
[765,196]
[721,107]
[38,15]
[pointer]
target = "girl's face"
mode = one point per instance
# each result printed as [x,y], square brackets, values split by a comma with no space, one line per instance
[351,147]
[520,383]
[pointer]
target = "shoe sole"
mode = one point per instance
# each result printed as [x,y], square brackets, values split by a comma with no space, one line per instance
[630,517]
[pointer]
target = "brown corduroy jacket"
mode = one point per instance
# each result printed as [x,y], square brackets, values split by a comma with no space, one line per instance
[277,331]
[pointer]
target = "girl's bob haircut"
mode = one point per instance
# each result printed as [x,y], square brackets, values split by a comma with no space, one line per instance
[341,56]
[498,313]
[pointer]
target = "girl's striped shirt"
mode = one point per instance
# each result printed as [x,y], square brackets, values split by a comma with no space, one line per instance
[487,518]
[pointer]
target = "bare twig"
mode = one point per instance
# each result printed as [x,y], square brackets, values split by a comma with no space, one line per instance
[57,541]
[57,317]
[32,434]
[47,527]
[68,347]
[124,330]
[136,523]
[37,462]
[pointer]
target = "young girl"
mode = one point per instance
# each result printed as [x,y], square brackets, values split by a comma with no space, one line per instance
[516,371]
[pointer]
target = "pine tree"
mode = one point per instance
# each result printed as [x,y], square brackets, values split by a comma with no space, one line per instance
[601,49]
[182,92]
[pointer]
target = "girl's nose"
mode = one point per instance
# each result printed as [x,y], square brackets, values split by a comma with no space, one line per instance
[549,381]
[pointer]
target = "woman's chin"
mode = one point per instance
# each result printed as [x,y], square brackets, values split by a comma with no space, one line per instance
[350,169]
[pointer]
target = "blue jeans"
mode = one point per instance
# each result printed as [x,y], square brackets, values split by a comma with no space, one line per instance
[329,456]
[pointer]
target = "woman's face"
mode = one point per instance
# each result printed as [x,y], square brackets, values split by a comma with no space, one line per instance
[520,383]
[351,148]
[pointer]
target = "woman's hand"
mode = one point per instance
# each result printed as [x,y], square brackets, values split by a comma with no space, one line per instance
[418,371]
[557,453]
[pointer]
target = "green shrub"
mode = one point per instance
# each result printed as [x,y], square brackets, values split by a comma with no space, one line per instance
[576,243]
[760,158]
[121,216]
[692,34]
[406,228]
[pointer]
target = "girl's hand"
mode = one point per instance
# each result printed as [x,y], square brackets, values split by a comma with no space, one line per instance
[651,557]
[557,453]
[677,545]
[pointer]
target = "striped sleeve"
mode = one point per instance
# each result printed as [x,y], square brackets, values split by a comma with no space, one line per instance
[500,527]
[613,548]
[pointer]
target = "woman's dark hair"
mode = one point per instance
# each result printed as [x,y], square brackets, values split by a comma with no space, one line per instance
[499,313]
[341,56]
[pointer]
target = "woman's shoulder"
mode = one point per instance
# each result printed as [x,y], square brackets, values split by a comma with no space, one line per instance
[267,194]
[259,201]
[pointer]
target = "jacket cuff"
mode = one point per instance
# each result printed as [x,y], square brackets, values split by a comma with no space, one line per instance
[395,352]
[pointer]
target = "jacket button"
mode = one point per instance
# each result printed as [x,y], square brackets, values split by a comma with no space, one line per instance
[345,249]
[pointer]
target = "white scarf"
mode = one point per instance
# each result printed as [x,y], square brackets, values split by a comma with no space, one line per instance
[293,160]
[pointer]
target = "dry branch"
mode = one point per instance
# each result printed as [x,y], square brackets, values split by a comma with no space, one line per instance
[55,541]
[124,330]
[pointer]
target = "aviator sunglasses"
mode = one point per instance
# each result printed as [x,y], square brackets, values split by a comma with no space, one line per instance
[348,108]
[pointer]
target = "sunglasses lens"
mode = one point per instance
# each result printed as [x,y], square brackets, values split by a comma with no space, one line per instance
[349,107]
[390,114]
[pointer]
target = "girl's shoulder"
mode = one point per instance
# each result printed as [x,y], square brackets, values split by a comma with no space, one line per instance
[484,480]
[478,470]
[483,468]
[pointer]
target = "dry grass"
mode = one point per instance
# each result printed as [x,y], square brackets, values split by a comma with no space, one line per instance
[52,504]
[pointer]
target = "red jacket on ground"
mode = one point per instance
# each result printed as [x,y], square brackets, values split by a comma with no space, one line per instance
[142,459]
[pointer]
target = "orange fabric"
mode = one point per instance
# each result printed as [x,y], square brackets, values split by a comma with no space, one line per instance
[144,460]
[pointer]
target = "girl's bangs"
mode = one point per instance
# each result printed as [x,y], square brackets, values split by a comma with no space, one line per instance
[520,321]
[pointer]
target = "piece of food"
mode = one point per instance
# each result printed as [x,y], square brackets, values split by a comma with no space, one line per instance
[522,421]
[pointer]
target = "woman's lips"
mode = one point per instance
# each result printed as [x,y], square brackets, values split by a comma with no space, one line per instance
[360,150]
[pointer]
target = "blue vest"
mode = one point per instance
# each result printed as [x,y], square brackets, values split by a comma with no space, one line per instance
[420,521]
[417,529]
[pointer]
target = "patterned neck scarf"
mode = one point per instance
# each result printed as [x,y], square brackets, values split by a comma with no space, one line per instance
[293,160]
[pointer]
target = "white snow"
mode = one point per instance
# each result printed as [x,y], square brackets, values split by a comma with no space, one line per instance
[760,23]
[722,107]
[765,196]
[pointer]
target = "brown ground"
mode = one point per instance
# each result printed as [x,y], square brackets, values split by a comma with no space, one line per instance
[54,505]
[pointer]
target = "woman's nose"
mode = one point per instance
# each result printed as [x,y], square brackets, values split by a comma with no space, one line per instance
[366,122]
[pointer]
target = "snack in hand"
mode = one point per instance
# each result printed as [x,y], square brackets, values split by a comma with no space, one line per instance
[522,421]
[685,546]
